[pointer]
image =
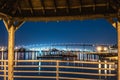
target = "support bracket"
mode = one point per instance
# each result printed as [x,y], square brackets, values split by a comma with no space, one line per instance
[114,23]
[15,24]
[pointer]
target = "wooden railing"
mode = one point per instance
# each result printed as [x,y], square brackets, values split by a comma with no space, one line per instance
[60,70]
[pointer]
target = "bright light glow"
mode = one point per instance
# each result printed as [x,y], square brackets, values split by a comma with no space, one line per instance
[2,48]
[105,48]
[16,48]
[99,48]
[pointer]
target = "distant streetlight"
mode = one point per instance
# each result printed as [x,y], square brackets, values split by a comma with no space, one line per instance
[99,48]
[102,49]
[105,48]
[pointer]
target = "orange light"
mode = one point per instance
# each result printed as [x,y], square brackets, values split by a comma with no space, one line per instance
[99,48]
[105,48]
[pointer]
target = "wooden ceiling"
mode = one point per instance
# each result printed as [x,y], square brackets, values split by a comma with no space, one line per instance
[49,10]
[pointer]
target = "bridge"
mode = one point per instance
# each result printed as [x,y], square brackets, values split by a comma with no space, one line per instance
[15,12]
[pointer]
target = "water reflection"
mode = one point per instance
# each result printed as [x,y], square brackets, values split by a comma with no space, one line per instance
[39,68]
[29,55]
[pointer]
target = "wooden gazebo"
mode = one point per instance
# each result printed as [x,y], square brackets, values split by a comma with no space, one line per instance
[15,12]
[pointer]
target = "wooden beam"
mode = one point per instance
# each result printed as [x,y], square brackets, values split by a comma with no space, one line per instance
[4,4]
[64,18]
[19,9]
[94,6]
[15,7]
[80,6]
[113,4]
[31,6]
[43,6]
[68,6]
[112,22]
[55,5]
[108,4]
[19,24]
[6,24]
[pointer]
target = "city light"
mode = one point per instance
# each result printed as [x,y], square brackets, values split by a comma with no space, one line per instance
[99,48]
[102,49]
[105,48]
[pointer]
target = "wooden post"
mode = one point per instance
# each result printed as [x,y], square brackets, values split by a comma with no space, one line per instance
[110,66]
[118,31]
[99,67]
[105,67]
[4,69]
[57,70]
[11,27]
[117,26]
[11,34]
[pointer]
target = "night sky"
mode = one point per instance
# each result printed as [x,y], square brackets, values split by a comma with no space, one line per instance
[97,31]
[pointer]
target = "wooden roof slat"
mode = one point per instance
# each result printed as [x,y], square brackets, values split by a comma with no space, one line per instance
[31,6]
[67,6]
[74,3]
[80,8]
[100,1]
[43,6]
[113,5]
[19,7]
[87,2]
[2,3]
[49,4]
[94,7]
[108,4]
[36,4]
[61,3]
[55,5]
[24,4]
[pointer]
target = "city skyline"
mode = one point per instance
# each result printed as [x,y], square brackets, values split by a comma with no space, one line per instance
[98,31]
